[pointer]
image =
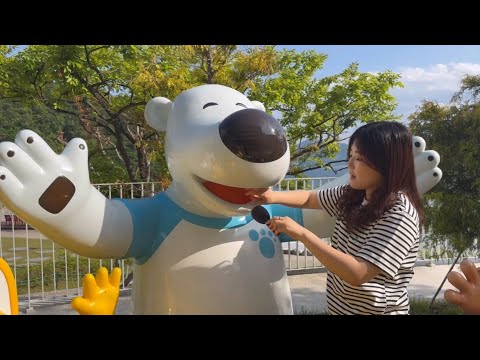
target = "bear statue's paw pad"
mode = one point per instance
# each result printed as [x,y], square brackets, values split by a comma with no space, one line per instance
[265,240]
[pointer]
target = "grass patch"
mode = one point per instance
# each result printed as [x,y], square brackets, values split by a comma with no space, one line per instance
[304,311]
[64,271]
[19,248]
[57,270]
[420,306]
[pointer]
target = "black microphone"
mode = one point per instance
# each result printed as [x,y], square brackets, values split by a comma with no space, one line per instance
[260,214]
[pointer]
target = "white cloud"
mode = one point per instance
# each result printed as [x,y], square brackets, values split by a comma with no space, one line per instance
[437,77]
[434,83]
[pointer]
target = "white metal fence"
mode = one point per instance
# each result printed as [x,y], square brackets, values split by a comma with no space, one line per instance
[48,274]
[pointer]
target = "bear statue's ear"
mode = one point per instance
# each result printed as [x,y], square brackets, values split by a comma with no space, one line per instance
[157,111]
[258,105]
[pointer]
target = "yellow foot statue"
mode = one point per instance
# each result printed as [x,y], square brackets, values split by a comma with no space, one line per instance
[8,290]
[100,294]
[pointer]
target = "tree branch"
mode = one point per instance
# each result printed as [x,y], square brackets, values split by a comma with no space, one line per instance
[329,164]
[310,148]
[89,62]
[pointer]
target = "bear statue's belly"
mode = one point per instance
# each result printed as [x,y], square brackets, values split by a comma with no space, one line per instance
[198,270]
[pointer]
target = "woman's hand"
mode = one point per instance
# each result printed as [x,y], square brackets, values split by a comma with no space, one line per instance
[285,225]
[261,196]
[468,294]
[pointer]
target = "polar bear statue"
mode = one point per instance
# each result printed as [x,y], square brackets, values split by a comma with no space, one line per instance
[195,245]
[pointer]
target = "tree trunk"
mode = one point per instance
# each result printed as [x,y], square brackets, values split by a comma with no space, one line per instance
[143,164]
[123,151]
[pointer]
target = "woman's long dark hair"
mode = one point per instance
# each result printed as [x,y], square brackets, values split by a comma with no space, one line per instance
[386,147]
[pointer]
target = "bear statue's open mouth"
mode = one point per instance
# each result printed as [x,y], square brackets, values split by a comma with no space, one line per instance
[230,194]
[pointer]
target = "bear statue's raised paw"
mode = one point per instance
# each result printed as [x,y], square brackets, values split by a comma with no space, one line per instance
[426,165]
[35,181]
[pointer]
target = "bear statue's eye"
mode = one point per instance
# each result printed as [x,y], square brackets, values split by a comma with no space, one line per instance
[209,104]
[240,104]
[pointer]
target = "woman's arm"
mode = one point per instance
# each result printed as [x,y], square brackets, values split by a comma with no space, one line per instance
[298,198]
[353,270]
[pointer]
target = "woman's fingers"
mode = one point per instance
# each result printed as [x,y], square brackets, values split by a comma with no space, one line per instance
[457,280]
[470,271]
[276,224]
[255,192]
[454,297]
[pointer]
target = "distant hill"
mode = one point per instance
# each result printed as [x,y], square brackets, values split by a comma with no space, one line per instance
[342,155]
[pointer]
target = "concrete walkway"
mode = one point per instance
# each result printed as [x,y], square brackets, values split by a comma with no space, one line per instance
[308,291]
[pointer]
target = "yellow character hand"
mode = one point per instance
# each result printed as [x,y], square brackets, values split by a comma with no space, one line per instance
[8,290]
[100,294]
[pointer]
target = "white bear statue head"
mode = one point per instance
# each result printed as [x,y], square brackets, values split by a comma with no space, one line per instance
[218,143]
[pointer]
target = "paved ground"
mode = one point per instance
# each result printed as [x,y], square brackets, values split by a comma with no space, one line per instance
[308,291]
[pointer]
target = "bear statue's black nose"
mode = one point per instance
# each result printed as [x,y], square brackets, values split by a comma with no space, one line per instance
[254,136]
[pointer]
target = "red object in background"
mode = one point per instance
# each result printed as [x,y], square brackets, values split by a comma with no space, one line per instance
[18,221]
[8,219]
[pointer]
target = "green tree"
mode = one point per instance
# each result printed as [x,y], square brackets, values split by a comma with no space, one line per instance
[452,207]
[106,88]
[469,89]
[101,86]
[15,116]
[315,111]
[57,129]
[238,67]
[229,65]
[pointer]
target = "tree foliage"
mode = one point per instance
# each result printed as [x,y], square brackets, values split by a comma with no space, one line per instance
[56,129]
[315,111]
[101,86]
[452,207]
[105,89]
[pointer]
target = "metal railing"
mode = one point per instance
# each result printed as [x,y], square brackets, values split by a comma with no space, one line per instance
[49,274]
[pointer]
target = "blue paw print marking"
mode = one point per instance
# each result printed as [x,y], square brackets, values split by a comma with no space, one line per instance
[266,246]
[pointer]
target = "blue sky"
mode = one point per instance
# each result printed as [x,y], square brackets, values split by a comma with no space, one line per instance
[430,72]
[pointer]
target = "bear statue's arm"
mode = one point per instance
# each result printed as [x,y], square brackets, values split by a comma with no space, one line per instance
[153,219]
[52,192]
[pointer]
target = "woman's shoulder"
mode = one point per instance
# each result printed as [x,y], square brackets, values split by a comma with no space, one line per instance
[403,214]
[403,205]
[338,189]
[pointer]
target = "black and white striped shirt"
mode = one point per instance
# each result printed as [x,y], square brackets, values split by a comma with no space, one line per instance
[390,243]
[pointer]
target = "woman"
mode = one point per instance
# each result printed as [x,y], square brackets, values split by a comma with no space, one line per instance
[379,215]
